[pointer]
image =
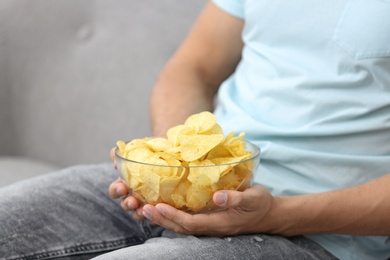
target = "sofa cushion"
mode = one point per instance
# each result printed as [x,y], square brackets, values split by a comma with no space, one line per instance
[13,169]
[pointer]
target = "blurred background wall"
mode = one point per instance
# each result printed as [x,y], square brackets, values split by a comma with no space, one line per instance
[75,76]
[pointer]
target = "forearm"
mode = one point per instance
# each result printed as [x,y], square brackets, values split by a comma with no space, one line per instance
[361,210]
[189,81]
[179,92]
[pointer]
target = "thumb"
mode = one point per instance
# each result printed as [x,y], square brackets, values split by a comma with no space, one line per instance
[228,198]
[233,199]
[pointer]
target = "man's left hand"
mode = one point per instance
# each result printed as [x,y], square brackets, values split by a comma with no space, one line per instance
[245,212]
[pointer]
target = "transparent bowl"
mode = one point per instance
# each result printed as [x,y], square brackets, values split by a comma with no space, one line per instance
[188,188]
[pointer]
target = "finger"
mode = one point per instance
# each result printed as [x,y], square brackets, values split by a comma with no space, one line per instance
[117,189]
[154,215]
[138,214]
[129,203]
[215,224]
[112,156]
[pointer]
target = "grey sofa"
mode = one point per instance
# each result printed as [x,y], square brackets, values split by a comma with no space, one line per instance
[75,76]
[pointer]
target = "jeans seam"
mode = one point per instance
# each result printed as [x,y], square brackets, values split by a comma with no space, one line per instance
[81,249]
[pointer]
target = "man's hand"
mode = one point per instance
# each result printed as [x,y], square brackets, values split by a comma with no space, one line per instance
[112,156]
[118,189]
[244,210]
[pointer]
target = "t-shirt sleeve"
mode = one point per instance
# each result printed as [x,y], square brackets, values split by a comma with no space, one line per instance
[233,7]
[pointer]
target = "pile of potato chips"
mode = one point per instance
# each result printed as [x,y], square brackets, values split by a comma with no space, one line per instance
[187,167]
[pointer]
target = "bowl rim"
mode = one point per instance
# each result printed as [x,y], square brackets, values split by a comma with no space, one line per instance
[256,151]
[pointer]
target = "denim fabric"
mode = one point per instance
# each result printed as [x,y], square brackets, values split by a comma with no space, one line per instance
[175,246]
[62,214]
[69,215]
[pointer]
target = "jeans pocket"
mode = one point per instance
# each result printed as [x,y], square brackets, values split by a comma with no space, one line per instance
[364,29]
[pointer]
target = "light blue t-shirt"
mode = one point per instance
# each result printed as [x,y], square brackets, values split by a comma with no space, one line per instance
[313,91]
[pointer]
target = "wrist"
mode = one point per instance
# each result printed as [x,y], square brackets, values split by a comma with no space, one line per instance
[282,218]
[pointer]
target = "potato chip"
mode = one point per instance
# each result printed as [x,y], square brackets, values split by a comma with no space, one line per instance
[167,188]
[121,146]
[180,193]
[141,154]
[203,176]
[194,147]
[198,196]
[225,164]
[202,122]
[176,131]
[236,146]
[216,129]
[133,176]
[220,151]
[151,186]
[229,181]
[159,144]
[171,159]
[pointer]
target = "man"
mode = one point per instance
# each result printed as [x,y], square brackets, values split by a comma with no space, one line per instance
[292,93]
[305,85]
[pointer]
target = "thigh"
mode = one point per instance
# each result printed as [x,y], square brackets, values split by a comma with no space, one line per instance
[63,214]
[175,246]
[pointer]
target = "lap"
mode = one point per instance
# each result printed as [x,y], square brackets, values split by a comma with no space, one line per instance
[65,213]
[68,214]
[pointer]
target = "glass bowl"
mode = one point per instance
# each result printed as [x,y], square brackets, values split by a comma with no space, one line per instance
[188,188]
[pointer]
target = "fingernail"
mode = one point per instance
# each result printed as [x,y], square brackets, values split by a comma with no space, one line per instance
[147,213]
[160,209]
[119,191]
[220,198]
[130,206]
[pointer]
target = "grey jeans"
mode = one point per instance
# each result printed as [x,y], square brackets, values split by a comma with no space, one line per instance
[69,215]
